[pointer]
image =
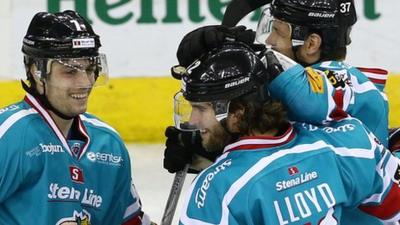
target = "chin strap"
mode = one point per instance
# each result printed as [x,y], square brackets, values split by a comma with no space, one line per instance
[44,101]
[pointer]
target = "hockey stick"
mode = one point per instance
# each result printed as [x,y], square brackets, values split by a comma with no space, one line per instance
[237,9]
[173,197]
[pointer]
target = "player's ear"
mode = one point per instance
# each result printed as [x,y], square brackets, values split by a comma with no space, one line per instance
[35,73]
[310,51]
[312,44]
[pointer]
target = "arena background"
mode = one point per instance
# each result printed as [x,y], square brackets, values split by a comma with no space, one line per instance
[140,39]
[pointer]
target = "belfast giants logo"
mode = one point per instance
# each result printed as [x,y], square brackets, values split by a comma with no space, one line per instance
[76,149]
[78,218]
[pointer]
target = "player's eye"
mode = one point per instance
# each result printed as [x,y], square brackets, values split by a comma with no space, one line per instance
[71,71]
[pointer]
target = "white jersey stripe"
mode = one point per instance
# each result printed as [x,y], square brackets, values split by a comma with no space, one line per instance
[386,172]
[13,119]
[330,100]
[364,87]
[259,141]
[97,122]
[134,207]
[50,121]
[376,76]
[83,132]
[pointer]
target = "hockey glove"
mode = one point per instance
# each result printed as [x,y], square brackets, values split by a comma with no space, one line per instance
[199,41]
[183,147]
[394,140]
[276,63]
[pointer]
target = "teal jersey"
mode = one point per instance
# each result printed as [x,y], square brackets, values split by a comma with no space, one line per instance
[336,174]
[47,179]
[330,90]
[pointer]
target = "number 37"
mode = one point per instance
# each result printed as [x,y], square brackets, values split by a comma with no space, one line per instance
[345,7]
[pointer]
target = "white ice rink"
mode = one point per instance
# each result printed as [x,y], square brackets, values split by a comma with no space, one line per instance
[153,182]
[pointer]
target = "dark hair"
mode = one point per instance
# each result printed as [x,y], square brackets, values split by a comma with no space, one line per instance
[338,54]
[331,53]
[259,116]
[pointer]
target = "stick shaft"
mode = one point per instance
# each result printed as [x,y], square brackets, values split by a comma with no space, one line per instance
[173,197]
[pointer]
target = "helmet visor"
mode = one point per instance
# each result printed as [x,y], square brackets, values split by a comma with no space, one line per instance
[188,114]
[270,27]
[264,27]
[87,72]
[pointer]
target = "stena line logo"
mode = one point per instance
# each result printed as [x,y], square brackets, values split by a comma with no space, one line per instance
[50,148]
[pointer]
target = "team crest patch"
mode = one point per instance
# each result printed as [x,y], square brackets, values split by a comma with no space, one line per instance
[76,149]
[315,80]
[338,79]
[78,218]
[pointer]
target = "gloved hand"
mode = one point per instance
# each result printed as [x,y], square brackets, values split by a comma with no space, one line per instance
[204,39]
[184,147]
[276,63]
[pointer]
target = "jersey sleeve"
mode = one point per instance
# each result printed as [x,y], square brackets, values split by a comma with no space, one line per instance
[328,93]
[307,95]
[10,172]
[384,202]
[377,76]
[126,205]
[371,179]
[11,160]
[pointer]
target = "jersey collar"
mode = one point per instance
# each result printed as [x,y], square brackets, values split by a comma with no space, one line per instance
[258,142]
[35,103]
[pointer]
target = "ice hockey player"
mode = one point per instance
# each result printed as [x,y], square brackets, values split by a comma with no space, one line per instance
[277,172]
[60,165]
[315,84]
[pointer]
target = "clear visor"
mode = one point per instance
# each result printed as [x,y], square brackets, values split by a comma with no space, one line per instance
[189,116]
[269,27]
[85,72]
[264,27]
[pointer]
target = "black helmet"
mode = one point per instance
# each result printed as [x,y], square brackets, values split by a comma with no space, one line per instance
[65,34]
[225,73]
[61,37]
[228,72]
[332,18]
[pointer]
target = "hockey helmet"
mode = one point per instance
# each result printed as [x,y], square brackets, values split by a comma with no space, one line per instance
[67,38]
[223,74]
[332,19]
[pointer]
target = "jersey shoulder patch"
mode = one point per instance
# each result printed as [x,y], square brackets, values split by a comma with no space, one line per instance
[315,80]
[375,75]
